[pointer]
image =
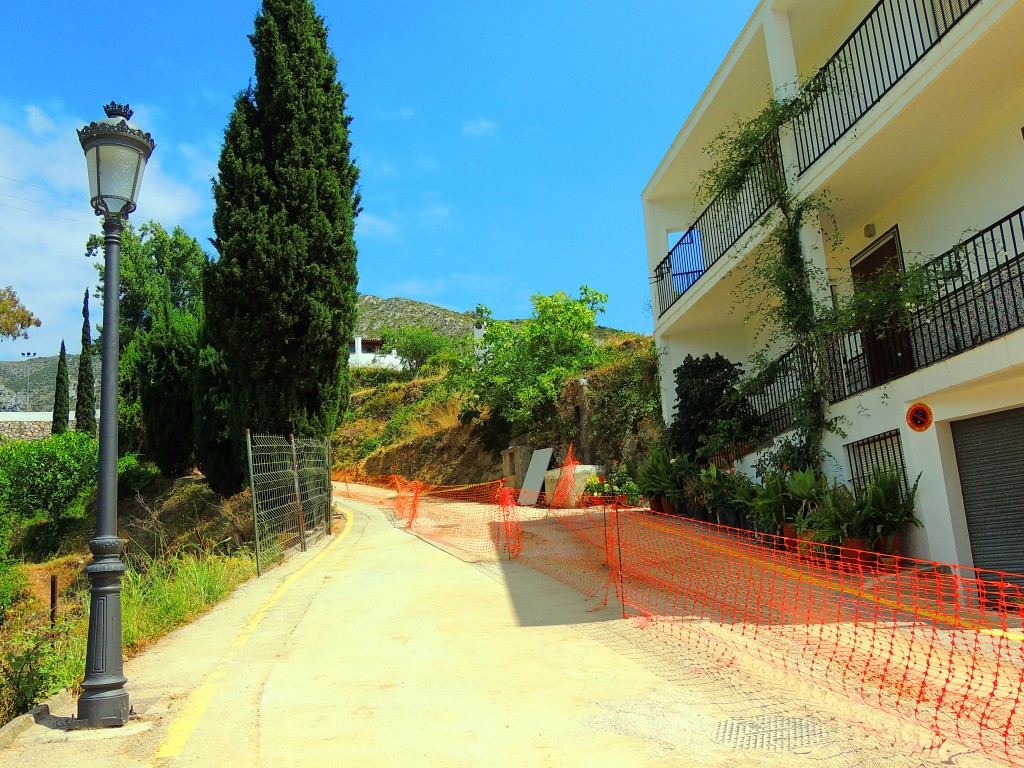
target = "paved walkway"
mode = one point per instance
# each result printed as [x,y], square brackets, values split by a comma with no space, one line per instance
[379,649]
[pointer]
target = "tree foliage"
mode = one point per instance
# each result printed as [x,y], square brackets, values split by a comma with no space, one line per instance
[518,370]
[280,300]
[157,268]
[15,319]
[85,394]
[415,344]
[61,393]
[167,354]
[711,410]
[217,454]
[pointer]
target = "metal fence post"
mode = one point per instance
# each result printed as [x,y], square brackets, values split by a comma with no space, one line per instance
[252,492]
[329,512]
[298,495]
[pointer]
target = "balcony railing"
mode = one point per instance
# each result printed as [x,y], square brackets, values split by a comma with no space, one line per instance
[978,297]
[888,43]
[776,395]
[726,219]
[891,39]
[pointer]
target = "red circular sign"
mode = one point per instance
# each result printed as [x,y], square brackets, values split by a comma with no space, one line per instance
[919,417]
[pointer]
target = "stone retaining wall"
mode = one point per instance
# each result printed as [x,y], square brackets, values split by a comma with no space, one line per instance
[28,426]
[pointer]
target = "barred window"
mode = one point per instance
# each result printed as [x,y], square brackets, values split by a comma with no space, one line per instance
[873,455]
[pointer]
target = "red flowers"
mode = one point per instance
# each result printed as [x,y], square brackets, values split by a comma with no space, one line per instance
[600,479]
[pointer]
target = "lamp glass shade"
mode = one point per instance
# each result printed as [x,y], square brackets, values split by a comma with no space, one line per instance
[115,174]
[115,155]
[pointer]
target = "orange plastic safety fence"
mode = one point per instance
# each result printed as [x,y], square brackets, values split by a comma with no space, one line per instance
[938,644]
[566,481]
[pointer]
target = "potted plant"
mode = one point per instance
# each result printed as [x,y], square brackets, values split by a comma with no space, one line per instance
[693,492]
[684,471]
[771,505]
[861,531]
[807,490]
[656,480]
[891,507]
[726,494]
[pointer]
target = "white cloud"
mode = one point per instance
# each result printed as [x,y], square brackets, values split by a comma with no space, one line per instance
[433,213]
[46,219]
[406,113]
[480,128]
[38,122]
[375,227]
[457,285]
[201,161]
[428,164]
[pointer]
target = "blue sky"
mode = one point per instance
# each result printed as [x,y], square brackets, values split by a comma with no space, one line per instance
[503,146]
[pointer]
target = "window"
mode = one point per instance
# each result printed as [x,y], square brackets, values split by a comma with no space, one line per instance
[873,455]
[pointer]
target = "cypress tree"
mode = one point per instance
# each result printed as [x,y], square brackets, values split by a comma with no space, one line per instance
[85,395]
[280,300]
[167,354]
[61,406]
[217,455]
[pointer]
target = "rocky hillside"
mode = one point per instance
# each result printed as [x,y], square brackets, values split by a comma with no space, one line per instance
[40,375]
[374,314]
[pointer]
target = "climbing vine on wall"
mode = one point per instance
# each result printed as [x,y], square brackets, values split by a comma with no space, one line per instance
[784,293]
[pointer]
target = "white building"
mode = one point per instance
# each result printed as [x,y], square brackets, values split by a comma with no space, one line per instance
[370,353]
[920,154]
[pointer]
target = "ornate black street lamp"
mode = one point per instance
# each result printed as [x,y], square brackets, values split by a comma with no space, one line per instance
[115,154]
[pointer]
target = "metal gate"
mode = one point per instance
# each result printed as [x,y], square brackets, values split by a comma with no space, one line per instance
[990,458]
[291,494]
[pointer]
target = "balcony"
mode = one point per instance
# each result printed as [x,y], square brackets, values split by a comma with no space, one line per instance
[726,219]
[884,47]
[894,37]
[979,296]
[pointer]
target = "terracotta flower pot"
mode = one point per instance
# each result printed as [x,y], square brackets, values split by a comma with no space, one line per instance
[856,550]
[789,533]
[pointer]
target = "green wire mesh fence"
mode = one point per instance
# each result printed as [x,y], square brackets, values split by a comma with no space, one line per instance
[291,494]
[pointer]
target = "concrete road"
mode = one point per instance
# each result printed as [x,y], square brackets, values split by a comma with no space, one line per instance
[379,649]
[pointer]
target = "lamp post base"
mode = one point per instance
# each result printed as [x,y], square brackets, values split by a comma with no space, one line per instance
[103,711]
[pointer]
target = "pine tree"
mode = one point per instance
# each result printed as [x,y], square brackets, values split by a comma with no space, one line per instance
[280,301]
[61,406]
[85,396]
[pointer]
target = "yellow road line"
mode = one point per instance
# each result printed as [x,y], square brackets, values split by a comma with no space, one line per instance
[184,726]
[945,618]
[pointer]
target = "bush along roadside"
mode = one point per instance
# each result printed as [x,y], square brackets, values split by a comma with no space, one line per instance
[186,551]
[38,658]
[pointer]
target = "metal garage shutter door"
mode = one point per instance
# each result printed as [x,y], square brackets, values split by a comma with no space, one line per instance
[990,458]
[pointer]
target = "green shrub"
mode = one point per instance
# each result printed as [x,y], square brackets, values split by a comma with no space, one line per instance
[43,478]
[31,665]
[13,584]
[134,475]
[367,377]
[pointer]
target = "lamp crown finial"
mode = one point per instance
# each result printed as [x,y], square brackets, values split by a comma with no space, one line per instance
[113,109]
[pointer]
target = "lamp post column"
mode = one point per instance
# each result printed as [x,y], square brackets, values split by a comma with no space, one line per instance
[116,153]
[104,701]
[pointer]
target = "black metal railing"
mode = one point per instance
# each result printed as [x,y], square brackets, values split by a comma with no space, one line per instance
[978,296]
[881,50]
[775,394]
[726,219]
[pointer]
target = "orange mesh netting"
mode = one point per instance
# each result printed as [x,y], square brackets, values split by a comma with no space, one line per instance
[937,644]
[566,481]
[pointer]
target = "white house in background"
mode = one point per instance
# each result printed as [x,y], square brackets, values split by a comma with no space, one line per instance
[923,153]
[370,352]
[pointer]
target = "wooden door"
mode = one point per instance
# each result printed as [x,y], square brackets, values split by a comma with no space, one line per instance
[888,352]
